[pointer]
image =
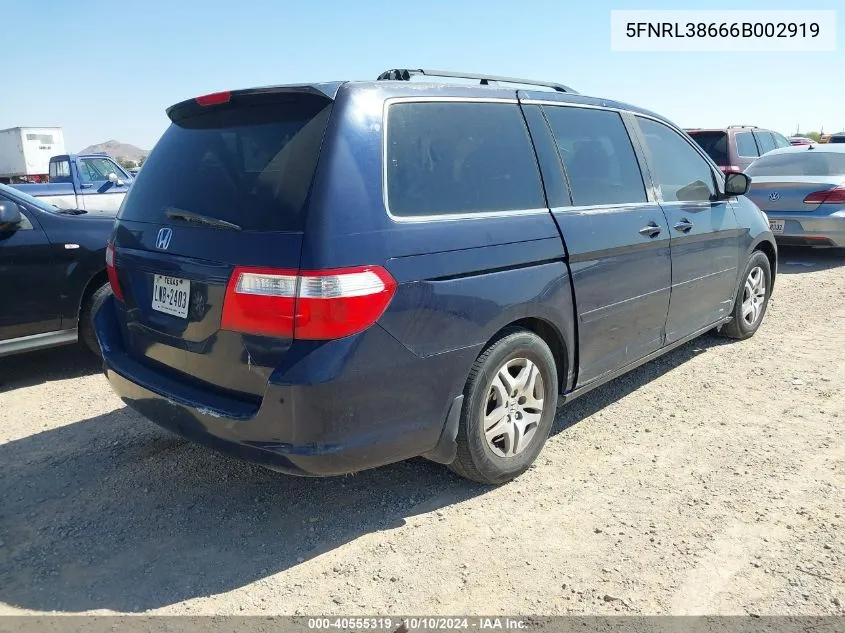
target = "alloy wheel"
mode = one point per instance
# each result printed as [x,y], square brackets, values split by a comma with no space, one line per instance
[754,296]
[515,403]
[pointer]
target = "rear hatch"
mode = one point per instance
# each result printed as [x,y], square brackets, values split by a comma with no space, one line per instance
[795,181]
[227,185]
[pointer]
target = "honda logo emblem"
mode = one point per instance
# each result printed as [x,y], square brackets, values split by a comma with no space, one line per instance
[774,196]
[163,238]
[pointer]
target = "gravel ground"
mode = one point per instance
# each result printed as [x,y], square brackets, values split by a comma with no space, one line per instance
[710,481]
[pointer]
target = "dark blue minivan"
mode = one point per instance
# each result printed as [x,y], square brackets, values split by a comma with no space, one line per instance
[331,277]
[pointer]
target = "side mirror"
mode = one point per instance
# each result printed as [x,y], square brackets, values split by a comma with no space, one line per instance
[737,184]
[113,179]
[10,215]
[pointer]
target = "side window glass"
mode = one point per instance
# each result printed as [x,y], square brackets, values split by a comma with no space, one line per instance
[680,171]
[780,140]
[86,172]
[455,158]
[26,223]
[745,145]
[766,142]
[598,156]
[97,169]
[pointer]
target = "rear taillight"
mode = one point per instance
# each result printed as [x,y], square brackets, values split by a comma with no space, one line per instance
[316,305]
[826,196]
[730,169]
[111,271]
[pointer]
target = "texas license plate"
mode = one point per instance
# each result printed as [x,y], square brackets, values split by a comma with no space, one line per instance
[170,295]
[776,226]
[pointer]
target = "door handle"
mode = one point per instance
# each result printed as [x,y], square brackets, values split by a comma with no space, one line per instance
[684,226]
[651,230]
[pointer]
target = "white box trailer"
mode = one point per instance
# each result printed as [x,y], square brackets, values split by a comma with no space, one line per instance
[26,151]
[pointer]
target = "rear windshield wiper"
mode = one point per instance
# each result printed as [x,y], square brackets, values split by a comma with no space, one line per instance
[189,216]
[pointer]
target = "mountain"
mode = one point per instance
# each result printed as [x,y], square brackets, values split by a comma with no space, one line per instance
[116,150]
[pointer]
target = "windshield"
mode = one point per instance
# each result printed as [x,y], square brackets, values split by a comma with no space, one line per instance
[25,197]
[247,165]
[714,143]
[804,163]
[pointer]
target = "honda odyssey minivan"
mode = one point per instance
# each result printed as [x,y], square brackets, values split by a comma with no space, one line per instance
[330,277]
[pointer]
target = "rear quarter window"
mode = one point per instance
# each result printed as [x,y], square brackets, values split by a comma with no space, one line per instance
[59,169]
[447,158]
[251,165]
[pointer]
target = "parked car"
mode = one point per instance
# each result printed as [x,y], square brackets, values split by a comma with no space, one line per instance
[839,137]
[345,275]
[802,191]
[93,182]
[52,273]
[735,148]
[800,140]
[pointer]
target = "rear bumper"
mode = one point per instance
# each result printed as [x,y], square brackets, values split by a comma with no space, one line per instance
[810,229]
[319,417]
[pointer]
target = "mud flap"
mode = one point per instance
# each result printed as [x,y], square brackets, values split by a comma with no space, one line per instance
[447,449]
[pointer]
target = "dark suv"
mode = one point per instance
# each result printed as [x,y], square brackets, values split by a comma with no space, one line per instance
[735,148]
[330,277]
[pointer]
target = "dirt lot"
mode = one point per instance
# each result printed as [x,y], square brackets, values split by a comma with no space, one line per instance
[709,481]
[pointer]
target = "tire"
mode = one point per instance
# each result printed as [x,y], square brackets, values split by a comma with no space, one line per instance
[505,457]
[86,318]
[741,326]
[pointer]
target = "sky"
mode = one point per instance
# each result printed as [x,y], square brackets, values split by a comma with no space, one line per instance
[107,70]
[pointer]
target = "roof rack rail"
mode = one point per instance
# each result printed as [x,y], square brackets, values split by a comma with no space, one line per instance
[405,74]
[754,127]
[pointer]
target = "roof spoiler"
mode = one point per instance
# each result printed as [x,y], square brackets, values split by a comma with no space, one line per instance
[266,94]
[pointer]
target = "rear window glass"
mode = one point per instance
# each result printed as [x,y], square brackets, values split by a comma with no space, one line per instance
[451,158]
[745,145]
[249,165]
[804,163]
[715,144]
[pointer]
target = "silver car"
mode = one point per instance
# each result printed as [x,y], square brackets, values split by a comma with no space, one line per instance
[802,191]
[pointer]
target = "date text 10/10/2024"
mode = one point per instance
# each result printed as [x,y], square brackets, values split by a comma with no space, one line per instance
[402,625]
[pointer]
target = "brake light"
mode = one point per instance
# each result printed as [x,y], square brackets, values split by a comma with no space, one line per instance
[730,169]
[215,98]
[314,305]
[111,272]
[826,196]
